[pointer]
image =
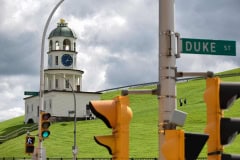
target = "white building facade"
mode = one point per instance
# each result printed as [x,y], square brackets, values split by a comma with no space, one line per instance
[62,80]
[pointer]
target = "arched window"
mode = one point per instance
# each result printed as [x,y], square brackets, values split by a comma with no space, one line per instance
[50,45]
[57,45]
[66,45]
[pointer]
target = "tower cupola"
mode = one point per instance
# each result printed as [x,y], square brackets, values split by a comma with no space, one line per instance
[62,69]
[62,30]
[62,47]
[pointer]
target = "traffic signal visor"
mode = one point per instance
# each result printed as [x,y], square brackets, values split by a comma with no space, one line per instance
[105,110]
[107,141]
[229,92]
[194,142]
[230,127]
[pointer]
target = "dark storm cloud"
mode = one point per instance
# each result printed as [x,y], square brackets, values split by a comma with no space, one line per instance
[18,55]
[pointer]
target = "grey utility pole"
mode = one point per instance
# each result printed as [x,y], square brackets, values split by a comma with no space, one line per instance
[167,69]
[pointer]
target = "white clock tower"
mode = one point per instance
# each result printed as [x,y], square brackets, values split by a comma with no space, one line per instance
[62,80]
[62,60]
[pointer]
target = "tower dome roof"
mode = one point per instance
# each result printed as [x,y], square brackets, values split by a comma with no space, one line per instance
[62,30]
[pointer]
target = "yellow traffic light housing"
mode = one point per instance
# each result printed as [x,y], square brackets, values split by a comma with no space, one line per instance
[117,115]
[173,146]
[45,124]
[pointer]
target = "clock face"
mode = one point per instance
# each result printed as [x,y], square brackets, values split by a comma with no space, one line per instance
[67,60]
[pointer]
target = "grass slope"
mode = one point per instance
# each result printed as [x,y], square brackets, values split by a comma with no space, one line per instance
[143,128]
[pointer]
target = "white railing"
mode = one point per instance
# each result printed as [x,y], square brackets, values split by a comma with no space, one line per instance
[17,132]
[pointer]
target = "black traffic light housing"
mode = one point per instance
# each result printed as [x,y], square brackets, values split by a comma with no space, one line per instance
[230,127]
[194,143]
[228,93]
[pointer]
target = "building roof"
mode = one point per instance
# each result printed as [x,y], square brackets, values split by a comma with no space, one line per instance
[65,91]
[62,70]
[62,30]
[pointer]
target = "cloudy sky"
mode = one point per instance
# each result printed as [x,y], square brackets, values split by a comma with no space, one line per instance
[117,41]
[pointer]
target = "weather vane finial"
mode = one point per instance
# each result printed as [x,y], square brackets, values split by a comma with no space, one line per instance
[62,20]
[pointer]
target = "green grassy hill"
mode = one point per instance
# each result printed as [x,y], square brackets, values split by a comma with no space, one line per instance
[143,128]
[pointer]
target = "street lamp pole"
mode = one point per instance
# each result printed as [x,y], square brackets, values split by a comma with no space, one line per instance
[74,147]
[41,99]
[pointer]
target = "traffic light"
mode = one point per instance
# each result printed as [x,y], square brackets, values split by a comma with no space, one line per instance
[116,114]
[29,144]
[219,96]
[182,146]
[45,124]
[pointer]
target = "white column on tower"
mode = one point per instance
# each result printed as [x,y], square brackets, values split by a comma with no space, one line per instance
[46,83]
[74,82]
[64,81]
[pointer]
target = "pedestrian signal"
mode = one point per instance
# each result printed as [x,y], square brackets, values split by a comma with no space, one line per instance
[29,144]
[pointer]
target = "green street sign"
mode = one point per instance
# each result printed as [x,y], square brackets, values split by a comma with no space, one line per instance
[207,46]
[31,93]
